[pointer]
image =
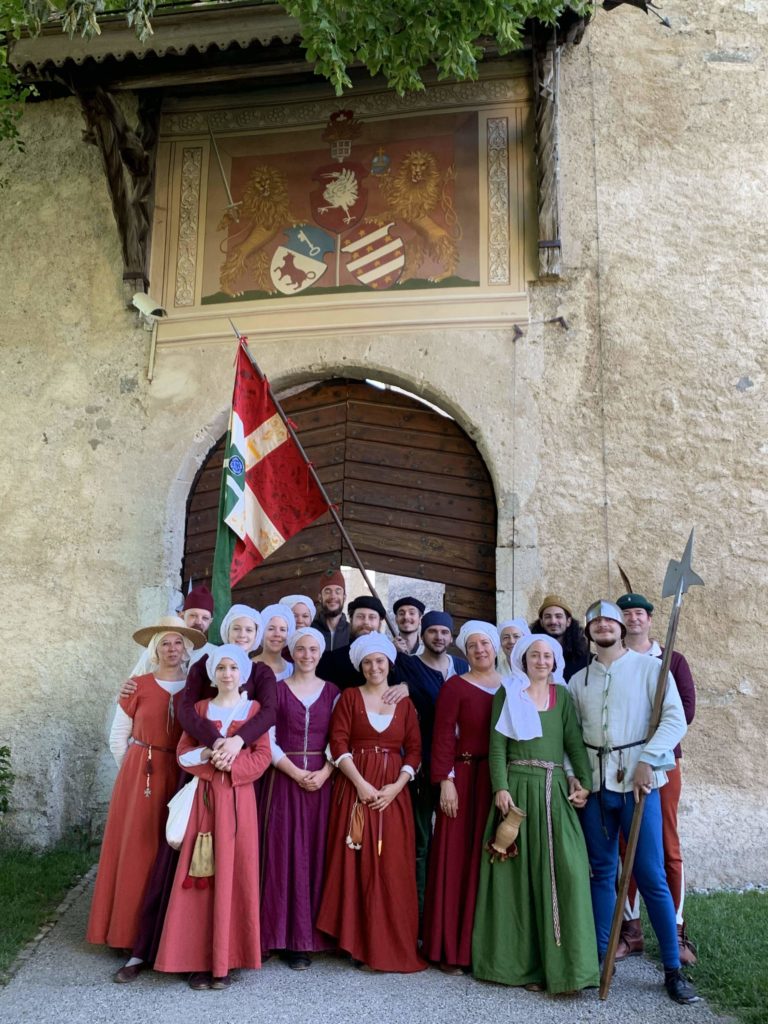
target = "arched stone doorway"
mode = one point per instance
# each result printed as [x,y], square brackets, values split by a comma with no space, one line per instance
[412,489]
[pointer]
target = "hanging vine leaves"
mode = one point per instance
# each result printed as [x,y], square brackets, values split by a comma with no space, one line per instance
[397,38]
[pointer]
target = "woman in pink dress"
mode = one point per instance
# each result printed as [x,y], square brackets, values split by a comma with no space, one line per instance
[212,922]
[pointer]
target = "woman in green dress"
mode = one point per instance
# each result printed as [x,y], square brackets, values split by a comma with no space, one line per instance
[533,919]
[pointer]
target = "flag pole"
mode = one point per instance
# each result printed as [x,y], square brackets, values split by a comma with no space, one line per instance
[311,469]
[679,577]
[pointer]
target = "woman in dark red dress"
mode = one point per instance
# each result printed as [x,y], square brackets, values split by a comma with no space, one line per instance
[369,902]
[460,766]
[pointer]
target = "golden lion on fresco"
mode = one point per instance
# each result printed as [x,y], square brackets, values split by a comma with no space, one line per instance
[263,211]
[414,193]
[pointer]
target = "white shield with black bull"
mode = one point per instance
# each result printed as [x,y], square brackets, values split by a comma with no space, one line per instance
[377,257]
[299,263]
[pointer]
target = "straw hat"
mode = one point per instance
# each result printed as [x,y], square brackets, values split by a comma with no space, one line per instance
[170,624]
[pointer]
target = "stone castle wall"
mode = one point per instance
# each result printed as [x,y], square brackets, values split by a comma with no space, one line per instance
[606,442]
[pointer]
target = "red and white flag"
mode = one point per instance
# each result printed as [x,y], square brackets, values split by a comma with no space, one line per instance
[270,494]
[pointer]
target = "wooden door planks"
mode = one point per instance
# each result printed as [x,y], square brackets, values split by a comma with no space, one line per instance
[411,488]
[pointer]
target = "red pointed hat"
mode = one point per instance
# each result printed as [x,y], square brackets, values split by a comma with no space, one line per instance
[199,597]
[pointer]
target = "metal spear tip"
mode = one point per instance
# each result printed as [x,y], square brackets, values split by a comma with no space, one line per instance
[680,574]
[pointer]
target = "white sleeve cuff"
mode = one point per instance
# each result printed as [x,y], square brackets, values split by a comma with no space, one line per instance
[341,757]
[119,734]
[193,758]
[277,751]
[407,768]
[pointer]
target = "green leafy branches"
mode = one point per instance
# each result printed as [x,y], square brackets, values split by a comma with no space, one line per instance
[400,38]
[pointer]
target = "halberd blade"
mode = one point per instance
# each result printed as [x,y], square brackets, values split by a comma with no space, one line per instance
[681,571]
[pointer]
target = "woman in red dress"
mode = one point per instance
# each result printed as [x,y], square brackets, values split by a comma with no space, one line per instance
[460,766]
[369,902]
[143,741]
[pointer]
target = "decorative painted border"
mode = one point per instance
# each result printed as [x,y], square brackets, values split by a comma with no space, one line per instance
[189,215]
[287,114]
[498,200]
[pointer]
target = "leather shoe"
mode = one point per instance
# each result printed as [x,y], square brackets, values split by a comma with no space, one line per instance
[679,988]
[220,983]
[200,981]
[631,941]
[128,974]
[687,949]
[452,969]
[298,961]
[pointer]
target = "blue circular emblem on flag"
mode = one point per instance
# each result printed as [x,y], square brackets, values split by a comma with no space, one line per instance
[236,465]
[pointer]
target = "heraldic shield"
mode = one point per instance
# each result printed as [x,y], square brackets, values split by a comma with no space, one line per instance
[340,201]
[299,263]
[376,257]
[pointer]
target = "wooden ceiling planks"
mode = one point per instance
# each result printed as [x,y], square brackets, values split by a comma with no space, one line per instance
[412,490]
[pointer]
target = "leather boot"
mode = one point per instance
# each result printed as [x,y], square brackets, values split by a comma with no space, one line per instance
[631,941]
[687,948]
[679,988]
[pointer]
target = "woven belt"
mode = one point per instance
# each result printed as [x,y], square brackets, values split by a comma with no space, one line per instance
[151,746]
[148,769]
[468,758]
[549,768]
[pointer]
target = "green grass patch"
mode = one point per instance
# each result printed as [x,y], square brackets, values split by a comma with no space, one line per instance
[32,884]
[730,930]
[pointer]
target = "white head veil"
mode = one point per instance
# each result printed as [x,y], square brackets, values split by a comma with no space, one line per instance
[502,661]
[241,611]
[519,718]
[371,643]
[307,631]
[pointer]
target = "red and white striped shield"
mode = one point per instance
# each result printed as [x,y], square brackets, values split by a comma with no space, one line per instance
[376,258]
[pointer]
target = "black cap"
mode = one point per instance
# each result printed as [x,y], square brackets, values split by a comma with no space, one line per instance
[412,602]
[366,602]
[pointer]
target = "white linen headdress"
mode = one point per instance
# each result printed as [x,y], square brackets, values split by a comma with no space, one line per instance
[237,654]
[279,611]
[477,626]
[152,646]
[306,631]
[519,718]
[371,643]
[502,661]
[241,611]
[293,599]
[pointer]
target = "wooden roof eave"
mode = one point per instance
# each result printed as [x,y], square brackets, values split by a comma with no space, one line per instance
[177,32]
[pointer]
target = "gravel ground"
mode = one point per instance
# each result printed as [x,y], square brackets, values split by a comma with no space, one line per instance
[65,981]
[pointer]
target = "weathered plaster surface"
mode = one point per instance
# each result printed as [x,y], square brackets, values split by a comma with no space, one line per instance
[606,442]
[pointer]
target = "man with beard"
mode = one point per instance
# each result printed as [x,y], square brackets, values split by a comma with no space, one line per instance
[408,612]
[330,618]
[425,674]
[365,616]
[637,611]
[614,697]
[556,619]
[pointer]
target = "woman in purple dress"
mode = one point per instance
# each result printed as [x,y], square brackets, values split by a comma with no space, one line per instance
[294,805]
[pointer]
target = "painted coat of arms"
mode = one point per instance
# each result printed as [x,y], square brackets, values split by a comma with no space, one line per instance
[384,213]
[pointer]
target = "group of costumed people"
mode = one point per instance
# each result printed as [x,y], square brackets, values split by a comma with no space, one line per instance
[333,790]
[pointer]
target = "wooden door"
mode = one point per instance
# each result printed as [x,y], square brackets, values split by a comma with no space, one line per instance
[412,490]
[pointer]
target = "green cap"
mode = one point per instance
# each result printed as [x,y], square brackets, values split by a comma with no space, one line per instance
[635,601]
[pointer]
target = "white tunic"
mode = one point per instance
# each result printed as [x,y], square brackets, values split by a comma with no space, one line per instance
[614,708]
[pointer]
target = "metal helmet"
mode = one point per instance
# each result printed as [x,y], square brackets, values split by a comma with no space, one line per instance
[604,610]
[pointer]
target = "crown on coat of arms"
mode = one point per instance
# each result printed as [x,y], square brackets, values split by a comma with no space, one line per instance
[341,129]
